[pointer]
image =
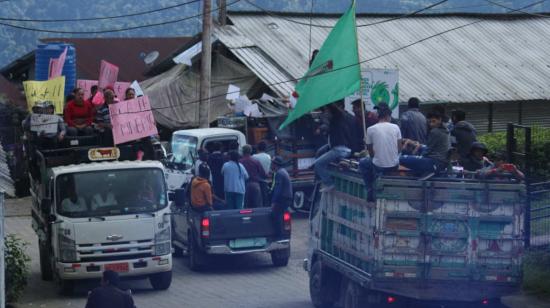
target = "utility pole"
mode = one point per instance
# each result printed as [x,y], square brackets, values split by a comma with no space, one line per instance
[206,65]
[222,14]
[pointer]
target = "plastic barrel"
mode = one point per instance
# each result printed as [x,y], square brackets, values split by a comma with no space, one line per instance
[45,52]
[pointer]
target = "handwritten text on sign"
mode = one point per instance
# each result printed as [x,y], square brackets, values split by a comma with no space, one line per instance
[86,85]
[51,90]
[132,120]
[108,74]
[46,123]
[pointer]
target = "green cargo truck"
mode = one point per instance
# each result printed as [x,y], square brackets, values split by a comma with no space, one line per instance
[445,241]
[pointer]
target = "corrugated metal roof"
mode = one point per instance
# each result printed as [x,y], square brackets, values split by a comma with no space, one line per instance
[494,60]
[6,182]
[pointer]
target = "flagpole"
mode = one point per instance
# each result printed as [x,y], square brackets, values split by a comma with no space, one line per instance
[361,87]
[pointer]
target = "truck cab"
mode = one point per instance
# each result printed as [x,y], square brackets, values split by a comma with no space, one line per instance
[91,216]
[185,145]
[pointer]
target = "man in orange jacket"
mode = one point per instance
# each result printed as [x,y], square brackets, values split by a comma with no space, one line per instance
[201,190]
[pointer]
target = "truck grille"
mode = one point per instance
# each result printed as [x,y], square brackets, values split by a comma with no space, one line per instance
[113,251]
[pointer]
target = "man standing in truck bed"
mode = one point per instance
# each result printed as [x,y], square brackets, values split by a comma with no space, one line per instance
[281,193]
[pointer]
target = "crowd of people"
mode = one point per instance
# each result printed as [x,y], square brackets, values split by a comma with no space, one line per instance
[237,181]
[424,145]
[81,117]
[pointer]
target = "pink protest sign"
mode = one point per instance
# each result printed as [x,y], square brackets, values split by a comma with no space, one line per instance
[120,87]
[108,74]
[56,65]
[132,120]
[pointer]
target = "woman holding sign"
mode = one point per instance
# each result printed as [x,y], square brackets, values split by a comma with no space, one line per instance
[79,115]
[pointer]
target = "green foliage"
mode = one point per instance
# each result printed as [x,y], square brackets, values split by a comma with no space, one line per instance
[540,149]
[16,267]
[536,272]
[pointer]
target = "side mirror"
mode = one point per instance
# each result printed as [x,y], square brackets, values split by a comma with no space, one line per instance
[179,197]
[52,218]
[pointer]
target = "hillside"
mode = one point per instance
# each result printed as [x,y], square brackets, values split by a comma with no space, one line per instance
[17,42]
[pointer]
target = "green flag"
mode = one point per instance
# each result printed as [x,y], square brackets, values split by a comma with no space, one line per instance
[335,72]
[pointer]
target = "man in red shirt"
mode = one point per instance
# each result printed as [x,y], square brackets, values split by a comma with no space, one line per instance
[79,114]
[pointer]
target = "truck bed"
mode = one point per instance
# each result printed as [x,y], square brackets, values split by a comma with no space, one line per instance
[442,239]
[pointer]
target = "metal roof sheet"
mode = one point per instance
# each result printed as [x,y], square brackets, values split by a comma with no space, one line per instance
[494,60]
[6,182]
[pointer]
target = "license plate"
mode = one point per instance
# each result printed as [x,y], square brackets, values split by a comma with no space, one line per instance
[248,242]
[117,267]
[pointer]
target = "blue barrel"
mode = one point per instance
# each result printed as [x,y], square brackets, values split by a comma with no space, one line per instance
[45,52]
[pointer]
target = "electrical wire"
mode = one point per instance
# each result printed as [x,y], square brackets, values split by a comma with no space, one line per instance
[110,30]
[100,18]
[341,68]
[274,14]
[518,10]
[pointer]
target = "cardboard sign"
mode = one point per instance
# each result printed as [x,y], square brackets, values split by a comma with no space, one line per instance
[46,123]
[50,90]
[56,65]
[108,74]
[120,87]
[132,120]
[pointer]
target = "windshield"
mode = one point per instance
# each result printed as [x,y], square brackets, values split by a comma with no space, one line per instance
[110,192]
[184,149]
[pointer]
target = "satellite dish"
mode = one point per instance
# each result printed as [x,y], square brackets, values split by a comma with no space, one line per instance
[151,57]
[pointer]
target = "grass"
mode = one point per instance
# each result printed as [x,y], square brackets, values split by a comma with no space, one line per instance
[536,272]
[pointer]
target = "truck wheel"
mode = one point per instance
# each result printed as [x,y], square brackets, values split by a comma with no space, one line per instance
[46,270]
[280,257]
[195,259]
[354,296]
[323,285]
[161,281]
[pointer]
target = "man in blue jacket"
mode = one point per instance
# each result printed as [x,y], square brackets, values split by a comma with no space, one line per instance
[281,193]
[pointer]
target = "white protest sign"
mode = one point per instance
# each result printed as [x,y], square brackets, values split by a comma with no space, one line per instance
[137,88]
[46,123]
[233,92]
[252,110]
[381,86]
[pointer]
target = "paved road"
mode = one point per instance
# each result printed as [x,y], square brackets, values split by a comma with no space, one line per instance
[245,281]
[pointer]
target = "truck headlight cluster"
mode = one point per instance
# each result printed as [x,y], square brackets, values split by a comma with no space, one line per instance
[67,249]
[163,245]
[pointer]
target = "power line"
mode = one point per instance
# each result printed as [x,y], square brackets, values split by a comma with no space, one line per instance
[274,14]
[110,30]
[518,10]
[347,66]
[100,18]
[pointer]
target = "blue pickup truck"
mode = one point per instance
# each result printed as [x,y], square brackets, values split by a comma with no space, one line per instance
[226,232]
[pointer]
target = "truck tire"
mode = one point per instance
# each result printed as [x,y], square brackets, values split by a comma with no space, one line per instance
[354,296]
[46,270]
[161,281]
[323,286]
[195,258]
[280,257]
[178,252]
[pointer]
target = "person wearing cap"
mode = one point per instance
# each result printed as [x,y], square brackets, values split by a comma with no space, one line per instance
[108,295]
[436,155]
[384,146]
[476,159]
[341,142]
[79,114]
[414,125]
[281,193]
[103,118]
[42,138]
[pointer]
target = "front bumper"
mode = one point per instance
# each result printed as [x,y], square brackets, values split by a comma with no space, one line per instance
[226,250]
[94,270]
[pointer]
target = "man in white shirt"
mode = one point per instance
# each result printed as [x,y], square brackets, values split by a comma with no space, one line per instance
[263,157]
[384,146]
[73,204]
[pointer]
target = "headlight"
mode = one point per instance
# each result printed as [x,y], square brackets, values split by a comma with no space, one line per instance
[67,249]
[163,245]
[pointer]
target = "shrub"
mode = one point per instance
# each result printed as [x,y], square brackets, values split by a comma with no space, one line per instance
[16,267]
[536,272]
[540,149]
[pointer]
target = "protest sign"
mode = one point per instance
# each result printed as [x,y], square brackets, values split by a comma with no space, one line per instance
[85,84]
[56,65]
[46,123]
[233,92]
[50,90]
[381,85]
[132,120]
[137,88]
[108,74]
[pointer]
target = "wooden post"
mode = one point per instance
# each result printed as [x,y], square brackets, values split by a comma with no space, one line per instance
[222,14]
[206,66]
